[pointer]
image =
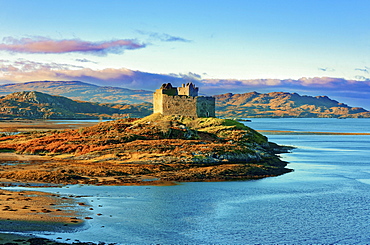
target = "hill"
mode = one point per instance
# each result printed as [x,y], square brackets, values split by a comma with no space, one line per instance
[81,91]
[280,104]
[37,105]
[156,147]
[253,104]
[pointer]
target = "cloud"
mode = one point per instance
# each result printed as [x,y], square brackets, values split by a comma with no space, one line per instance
[164,37]
[361,78]
[366,69]
[7,68]
[86,61]
[326,69]
[190,76]
[22,65]
[49,46]
[25,71]
[351,92]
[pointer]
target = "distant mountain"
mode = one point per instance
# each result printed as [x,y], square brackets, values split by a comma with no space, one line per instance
[276,104]
[37,105]
[81,91]
[280,104]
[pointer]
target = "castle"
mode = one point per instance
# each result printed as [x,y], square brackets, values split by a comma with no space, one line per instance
[182,101]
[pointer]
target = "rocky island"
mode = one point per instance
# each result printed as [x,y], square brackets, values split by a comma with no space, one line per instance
[181,141]
[154,149]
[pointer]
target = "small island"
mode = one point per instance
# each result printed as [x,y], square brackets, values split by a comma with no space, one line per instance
[177,143]
[151,150]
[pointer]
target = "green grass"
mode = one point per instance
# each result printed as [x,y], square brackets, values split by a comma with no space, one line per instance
[222,128]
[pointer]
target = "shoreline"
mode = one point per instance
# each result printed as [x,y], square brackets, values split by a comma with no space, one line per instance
[230,151]
[24,212]
[28,210]
[47,171]
[46,212]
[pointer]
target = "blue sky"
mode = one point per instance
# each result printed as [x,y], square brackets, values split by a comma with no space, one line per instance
[223,43]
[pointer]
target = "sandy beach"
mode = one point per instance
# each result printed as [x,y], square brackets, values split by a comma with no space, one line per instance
[36,206]
[27,211]
[33,211]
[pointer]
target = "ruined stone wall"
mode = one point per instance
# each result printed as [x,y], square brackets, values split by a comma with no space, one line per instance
[188,90]
[184,105]
[179,105]
[168,101]
[157,102]
[206,106]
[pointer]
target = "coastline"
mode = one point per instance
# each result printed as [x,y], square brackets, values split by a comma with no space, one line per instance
[37,207]
[44,171]
[214,150]
[12,223]
[278,183]
[23,213]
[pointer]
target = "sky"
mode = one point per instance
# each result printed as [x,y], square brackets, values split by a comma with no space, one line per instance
[316,47]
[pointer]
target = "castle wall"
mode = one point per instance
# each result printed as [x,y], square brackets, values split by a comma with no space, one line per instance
[158,102]
[179,105]
[188,90]
[206,106]
[186,102]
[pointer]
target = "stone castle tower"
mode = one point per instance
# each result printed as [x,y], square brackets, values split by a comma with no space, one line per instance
[182,101]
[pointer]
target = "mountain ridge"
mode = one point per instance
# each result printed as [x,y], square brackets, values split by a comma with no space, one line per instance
[82,91]
[38,105]
[283,104]
[252,104]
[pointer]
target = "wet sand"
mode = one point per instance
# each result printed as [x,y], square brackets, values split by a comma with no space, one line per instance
[36,206]
[41,125]
[33,211]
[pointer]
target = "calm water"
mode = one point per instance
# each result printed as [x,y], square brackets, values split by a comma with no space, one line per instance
[325,200]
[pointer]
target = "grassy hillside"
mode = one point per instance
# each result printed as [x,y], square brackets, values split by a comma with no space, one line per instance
[37,105]
[81,91]
[275,104]
[279,104]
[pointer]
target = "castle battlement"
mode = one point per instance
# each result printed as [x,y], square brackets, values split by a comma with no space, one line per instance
[184,101]
[189,89]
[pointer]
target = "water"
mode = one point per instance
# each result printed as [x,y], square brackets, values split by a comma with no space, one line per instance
[349,125]
[78,121]
[325,200]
